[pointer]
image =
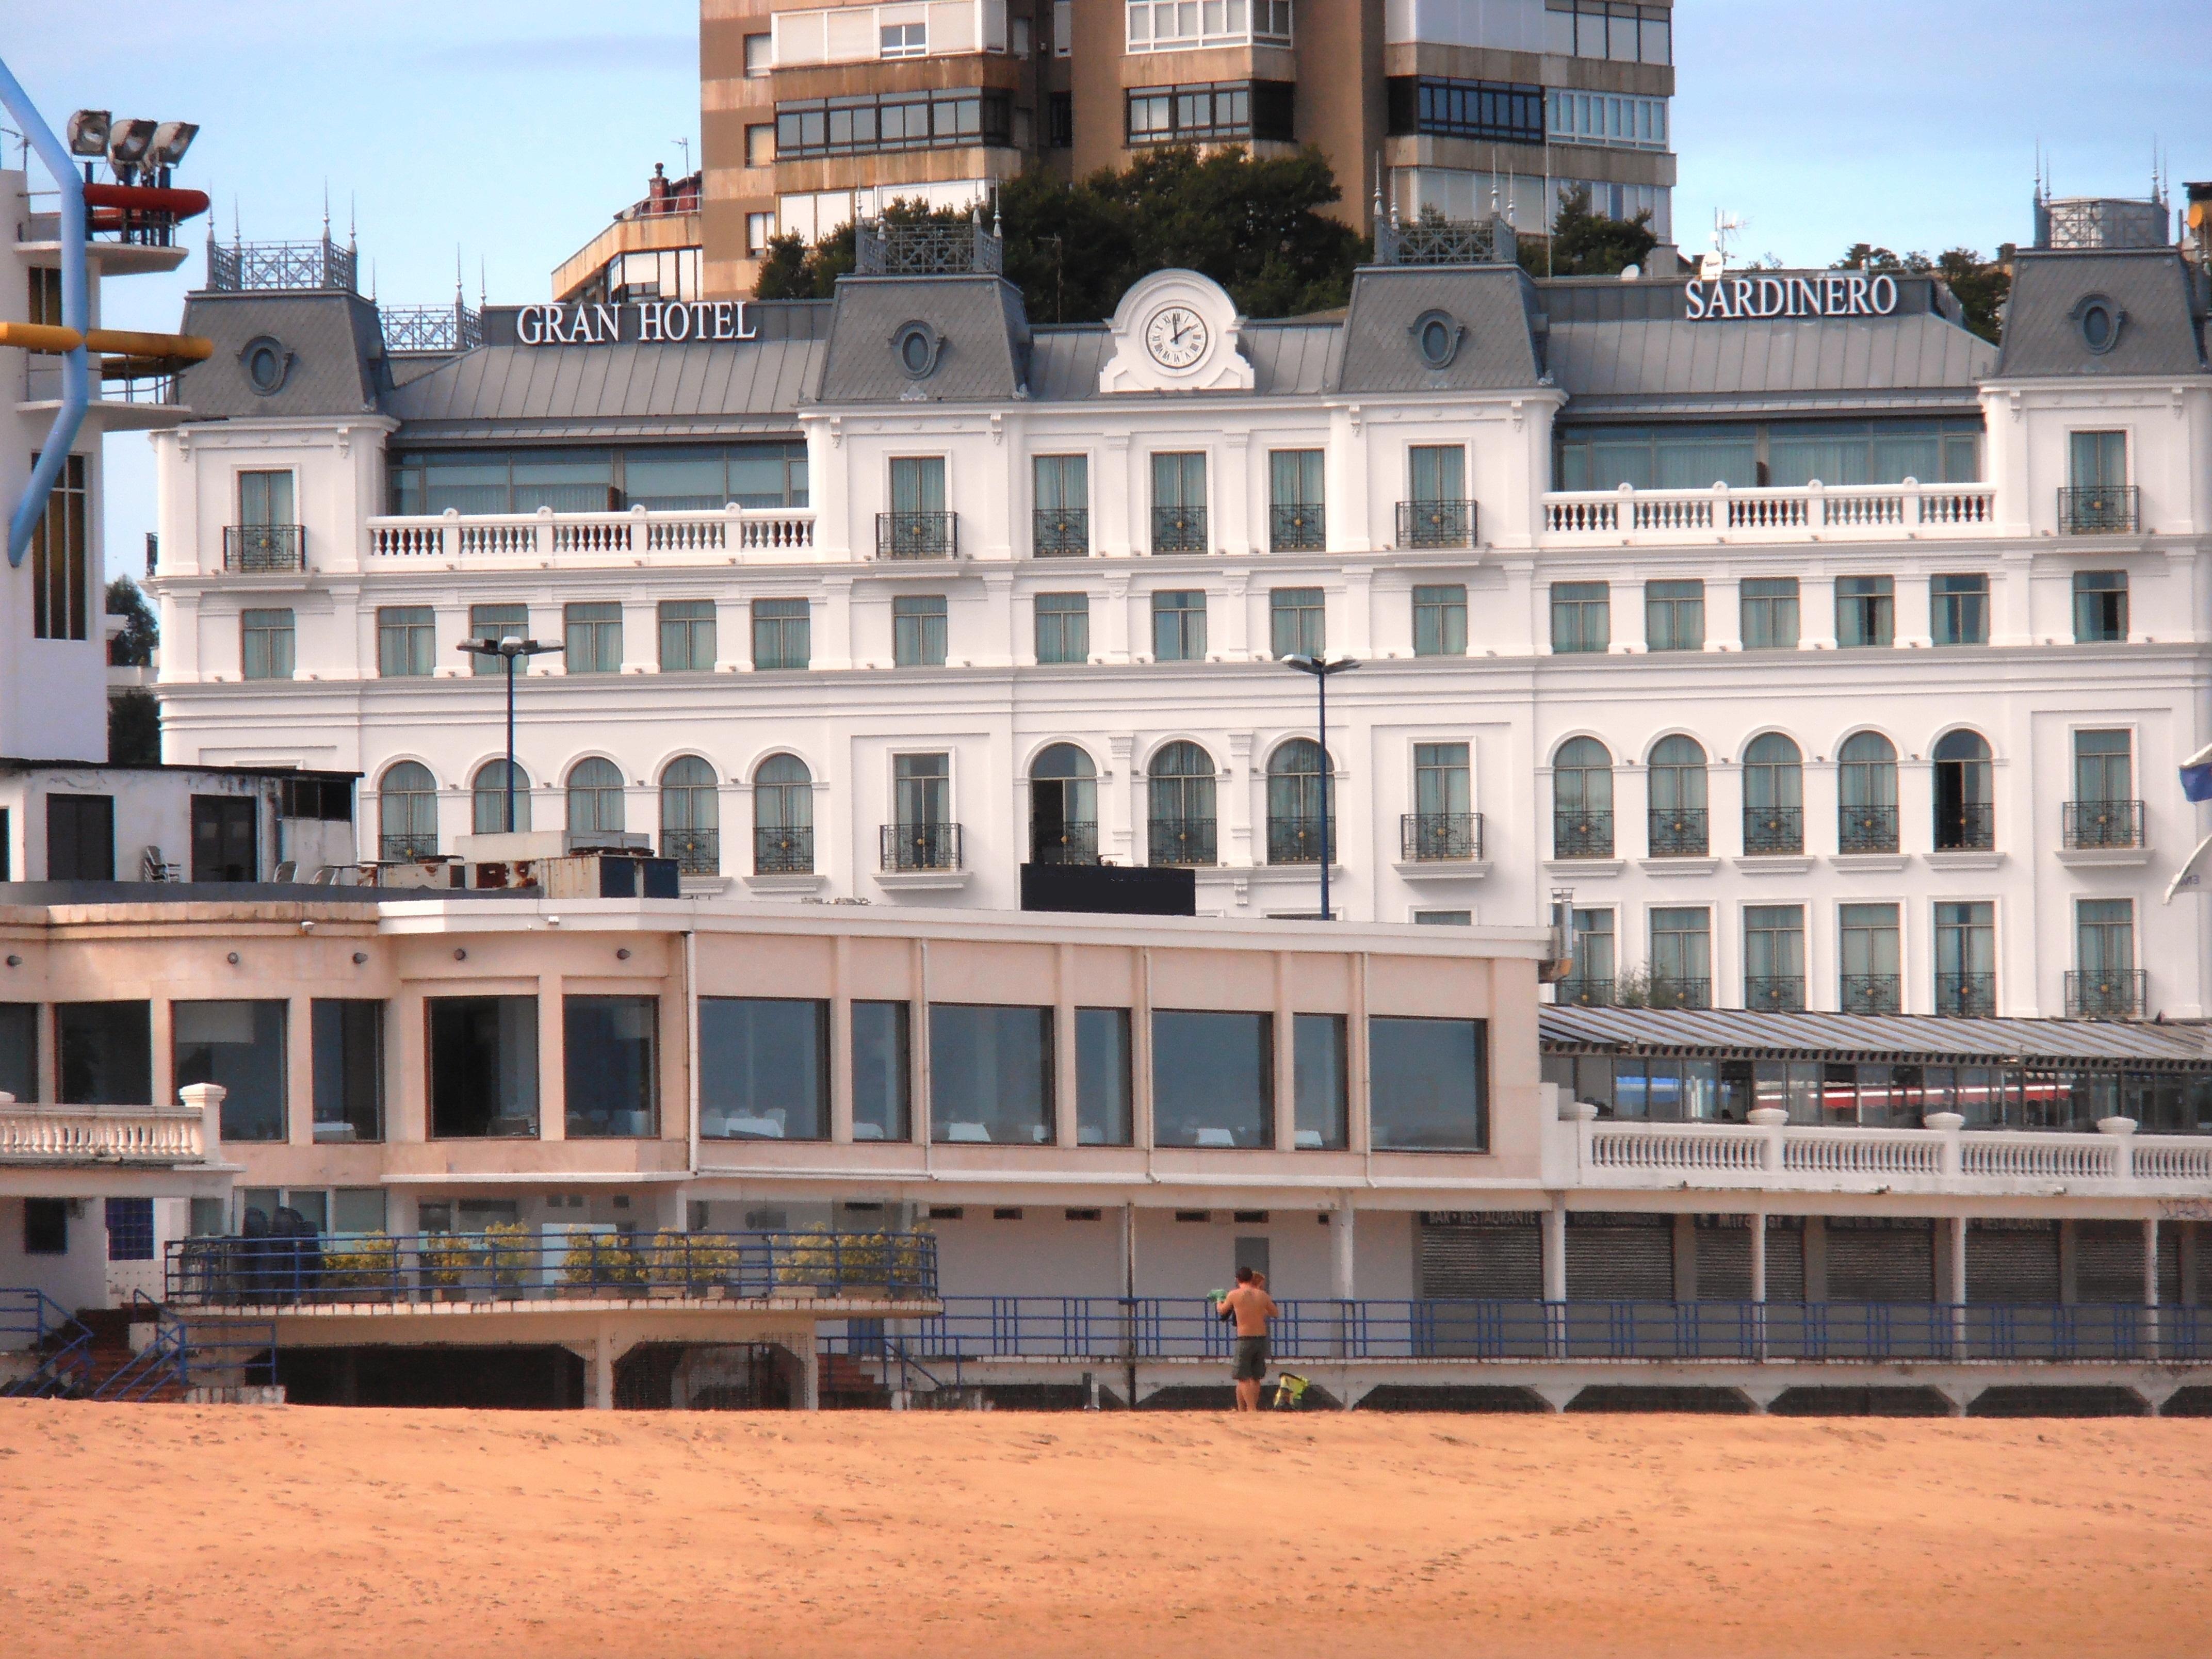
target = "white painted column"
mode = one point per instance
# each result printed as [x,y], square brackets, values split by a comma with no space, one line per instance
[552,1080]
[1115,646]
[1555,1251]
[830,644]
[1759,1256]
[841,1041]
[603,1370]
[1065,1084]
[1340,1238]
[1286,1105]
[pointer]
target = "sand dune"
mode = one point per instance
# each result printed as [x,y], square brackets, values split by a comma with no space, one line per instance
[231,1531]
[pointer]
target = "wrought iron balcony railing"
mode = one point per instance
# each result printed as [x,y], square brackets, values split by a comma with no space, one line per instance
[917,535]
[1774,994]
[1969,827]
[921,847]
[1966,996]
[697,852]
[1436,523]
[1866,830]
[2114,994]
[2104,824]
[1296,527]
[297,267]
[1679,832]
[1580,993]
[1060,532]
[1072,842]
[1426,837]
[2098,509]
[1773,829]
[1584,835]
[783,850]
[1298,840]
[265,547]
[1179,530]
[1185,842]
[395,848]
[1869,994]
[1671,991]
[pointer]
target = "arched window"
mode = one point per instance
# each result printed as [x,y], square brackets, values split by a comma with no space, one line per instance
[783,818]
[1181,801]
[1678,798]
[1773,795]
[691,817]
[407,812]
[1063,807]
[490,787]
[595,798]
[1965,814]
[1866,794]
[1582,800]
[1294,804]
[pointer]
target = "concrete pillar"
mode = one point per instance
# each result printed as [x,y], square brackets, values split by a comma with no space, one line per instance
[603,1372]
[1555,1251]
[1685,1258]
[1759,1256]
[1340,1241]
[1956,1291]
[2150,1262]
[810,1374]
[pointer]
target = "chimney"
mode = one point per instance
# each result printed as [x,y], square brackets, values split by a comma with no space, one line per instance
[656,189]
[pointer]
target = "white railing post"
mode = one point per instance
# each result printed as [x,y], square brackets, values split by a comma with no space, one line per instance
[1947,1124]
[1772,1121]
[449,533]
[541,534]
[206,1099]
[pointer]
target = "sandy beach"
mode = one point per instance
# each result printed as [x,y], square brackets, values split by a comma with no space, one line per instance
[288,1530]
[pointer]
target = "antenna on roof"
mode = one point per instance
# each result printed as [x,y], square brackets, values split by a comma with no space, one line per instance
[372,281]
[326,209]
[997,230]
[460,287]
[482,287]
[353,218]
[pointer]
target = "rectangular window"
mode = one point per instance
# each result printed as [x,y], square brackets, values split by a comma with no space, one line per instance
[759,229]
[1866,611]
[1440,621]
[593,640]
[1317,1062]
[80,838]
[1102,1077]
[240,1045]
[1854,454]
[1063,628]
[918,630]
[495,622]
[1295,521]
[1210,112]
[1213,1078]
[103,1054]
[1439,472]
[1427,1085]
[760,145]
[608,1045]
[759,56]
[1582,617]
[1596,960]
[1060,112]
[765,1068]
[358,1210]
[687,637]
[1296,617]
[905,39]
[1774,957]
[1681,958]
[348,1069]
[59,573]
[2100,606]
[265,643]
[1179,502]
[225,838]
[1179,627]
[2097,460]
[1959,609]
[1508,112]
[1674,615]
[1443,918]
[1063,506]
[869,122]
[45,1226]
[882,1072]
[1769,613]
[2103,770]
[482,1067]
[1869,959]
[19,1049]
[406,640]
[1966,959]
[130,1229]
[1604,457]
[782,634]
[264,499]
[2105,936]
[990,1074]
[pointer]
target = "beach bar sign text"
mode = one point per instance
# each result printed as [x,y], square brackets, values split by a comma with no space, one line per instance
[670,321]
[1829,293]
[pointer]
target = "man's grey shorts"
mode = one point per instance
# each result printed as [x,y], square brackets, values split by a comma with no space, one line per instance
[1251,1359]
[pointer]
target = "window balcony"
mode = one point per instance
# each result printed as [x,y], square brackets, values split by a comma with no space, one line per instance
[1967,827]
[1966,996]
[1627,516]
[1772,830]
[1866,830]
[783,849]
[1869,994]
[1679,832]
[1580,993]
[398,849]
[1672,990]
[1774,994]
[263,547]
[921,847]
[917,535]
[1060,532]
[1427,837]
[1296,527]
[2098,509]
[531,540]
[101,1136]
[1436,523]
[1184,843]
[2115,994]
[2093,824]
[1179,530]
[697,852]
[1073,842]
[1298,840]
[1586,834]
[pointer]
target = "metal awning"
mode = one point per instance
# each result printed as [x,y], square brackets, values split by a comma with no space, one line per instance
[2043,1043]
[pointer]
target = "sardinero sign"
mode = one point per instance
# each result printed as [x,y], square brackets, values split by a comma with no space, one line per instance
[1829,293]
[672,321]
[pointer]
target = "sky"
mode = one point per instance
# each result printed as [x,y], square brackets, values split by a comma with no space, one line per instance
[511,133]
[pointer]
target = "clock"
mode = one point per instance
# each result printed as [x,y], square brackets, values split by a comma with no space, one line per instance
[1175,336]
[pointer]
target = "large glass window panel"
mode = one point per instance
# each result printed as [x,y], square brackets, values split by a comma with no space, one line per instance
[240,1045]
[1318,1073]
[2103,766]
[1439,472]
[2100,606]
[1440,620]
[687,637]
[918,483]
[921,788]
[1655,458]
[675,480]
[1427,1087]
[593,639]
[782,634]
[497,621]
[1769,613]
[573,482]
[348,1069]
[406,640]
[265,643]
[596,805]
[1295,618]
[608,1045]
[918,636]
[1582,617]
[1959,609]
[1179,627]
[2105,936]
[990,1073]
[882,1072]
[482,1067]
[1213,1078]
[1674,615]
[1063,628]
[103,1054]
[765,1068]
[19,1049]
[1681,956]
[1866,611]
[1102,1077]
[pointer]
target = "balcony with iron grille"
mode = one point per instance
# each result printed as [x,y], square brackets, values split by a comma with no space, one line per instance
[2099,509]
[1580,993]
[1673,991]
[697,852]
[1440,837]
[1774,994]
[2091,825]
[1679,832]
[1072,842]
[1966,827]
[783,849]
[1060,532]
[1184,843]
[921,847]
[1296,527]
[401,849]
[1966,996]
[1436,523]
[1770,831]
[1298,840]
[1585,835]
[265,547]
[1870,994]
[2114,994]
[1179,530]
[917,535]
[1866,830]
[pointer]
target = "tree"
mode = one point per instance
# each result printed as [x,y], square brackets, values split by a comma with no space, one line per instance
[134,728]
[792,271]
[134,646]
[1979,285]
[1587,244]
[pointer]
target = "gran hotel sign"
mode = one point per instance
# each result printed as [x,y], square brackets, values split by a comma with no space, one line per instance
[1825,293]
[669,321]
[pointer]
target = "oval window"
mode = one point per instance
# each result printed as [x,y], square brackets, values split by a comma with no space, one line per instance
[1437,335]
[915,347]
[1435,340]
[2097,327]
[916,351]
[265,364]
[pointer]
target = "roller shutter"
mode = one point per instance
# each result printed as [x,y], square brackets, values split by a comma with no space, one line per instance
[1879,1258]
[1785,1259]
[1620,1258]
[2108,1261]
[1724,1259]
[2012,1261]
[1482,1260]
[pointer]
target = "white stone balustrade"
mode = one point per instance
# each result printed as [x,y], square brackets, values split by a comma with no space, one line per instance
[586,538]
[41,1134]
[1628,517]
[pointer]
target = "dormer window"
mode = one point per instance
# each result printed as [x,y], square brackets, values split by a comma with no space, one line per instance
[2099,321]
[1437,335]
[915,346]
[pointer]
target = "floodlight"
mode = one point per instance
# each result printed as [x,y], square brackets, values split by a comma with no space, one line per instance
[127,142]
[87,133]
[170,140]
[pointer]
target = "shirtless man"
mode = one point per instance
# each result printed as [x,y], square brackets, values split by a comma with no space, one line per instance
[1252,1307]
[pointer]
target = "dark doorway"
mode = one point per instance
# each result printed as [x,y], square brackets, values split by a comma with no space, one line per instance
[80,838]
[485,1379]
[223,838]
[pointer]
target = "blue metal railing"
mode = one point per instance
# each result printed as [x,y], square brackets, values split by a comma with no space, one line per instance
[54,1336]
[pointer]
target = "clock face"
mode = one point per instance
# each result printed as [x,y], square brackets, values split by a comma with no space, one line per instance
[1175,336]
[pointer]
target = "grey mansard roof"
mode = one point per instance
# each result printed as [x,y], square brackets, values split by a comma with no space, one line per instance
[335,342]
[1495,305]
[983,341]
[2162,301]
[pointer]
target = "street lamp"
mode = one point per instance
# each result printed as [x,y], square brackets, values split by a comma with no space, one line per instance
[509,648]
[1320,668]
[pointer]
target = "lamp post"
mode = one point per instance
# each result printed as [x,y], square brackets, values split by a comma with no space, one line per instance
[1320,668]
[510,650]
